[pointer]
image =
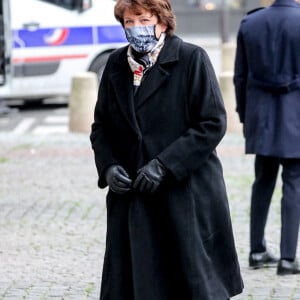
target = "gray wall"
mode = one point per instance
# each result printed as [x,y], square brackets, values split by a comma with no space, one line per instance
[191,20]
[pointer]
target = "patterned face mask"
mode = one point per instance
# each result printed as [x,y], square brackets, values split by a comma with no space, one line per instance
[141,38]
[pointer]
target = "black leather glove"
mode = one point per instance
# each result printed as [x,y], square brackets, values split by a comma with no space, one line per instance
[117,179]
[150,176]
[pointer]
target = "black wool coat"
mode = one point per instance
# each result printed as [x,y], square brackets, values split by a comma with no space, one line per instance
[177,243]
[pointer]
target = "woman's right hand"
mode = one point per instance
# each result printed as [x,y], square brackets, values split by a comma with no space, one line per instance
[118,179]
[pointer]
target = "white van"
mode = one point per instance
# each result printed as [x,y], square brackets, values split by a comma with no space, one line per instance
[5,46]
[54,39]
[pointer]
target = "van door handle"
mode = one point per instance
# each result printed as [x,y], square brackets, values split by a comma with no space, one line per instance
[31,26]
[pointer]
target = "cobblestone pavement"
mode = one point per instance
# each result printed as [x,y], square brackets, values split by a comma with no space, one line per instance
[52,220]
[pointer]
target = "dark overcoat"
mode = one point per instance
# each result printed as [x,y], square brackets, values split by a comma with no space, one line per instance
[267,79]
[177,243]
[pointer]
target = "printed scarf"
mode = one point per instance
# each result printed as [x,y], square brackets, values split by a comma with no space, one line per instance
[137,68]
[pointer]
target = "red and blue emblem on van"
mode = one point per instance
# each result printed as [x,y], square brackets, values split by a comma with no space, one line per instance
[56,36]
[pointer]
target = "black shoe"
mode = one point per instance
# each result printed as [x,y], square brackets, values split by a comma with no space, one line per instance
[286,267]
[262,260]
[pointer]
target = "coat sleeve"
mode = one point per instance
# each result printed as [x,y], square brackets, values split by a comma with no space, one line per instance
[240,77]
[100,133]
[207,120]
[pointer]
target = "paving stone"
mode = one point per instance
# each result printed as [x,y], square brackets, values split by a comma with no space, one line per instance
[52,220]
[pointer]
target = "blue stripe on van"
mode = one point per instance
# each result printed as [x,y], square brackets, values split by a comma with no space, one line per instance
[69,36]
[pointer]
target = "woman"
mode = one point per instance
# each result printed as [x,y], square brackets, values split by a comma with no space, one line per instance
[158,120]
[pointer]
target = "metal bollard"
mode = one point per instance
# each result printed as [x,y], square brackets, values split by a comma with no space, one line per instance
[82,101]
[227,87]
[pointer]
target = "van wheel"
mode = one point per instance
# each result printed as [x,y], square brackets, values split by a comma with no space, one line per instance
[98,65]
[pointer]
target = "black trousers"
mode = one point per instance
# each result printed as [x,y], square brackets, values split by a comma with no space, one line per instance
[266,171]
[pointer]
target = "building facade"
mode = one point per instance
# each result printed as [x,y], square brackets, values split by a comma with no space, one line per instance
[212,17]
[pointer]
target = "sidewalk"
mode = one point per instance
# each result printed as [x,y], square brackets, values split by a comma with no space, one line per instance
[52,220]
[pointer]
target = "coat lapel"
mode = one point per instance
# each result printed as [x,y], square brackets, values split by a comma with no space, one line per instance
[160,71]
[156,77]
[123,87]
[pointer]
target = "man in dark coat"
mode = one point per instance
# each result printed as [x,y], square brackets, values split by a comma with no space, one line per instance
[267,83]
[172,239]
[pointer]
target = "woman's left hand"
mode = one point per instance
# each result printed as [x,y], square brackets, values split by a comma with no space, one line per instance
[150,176]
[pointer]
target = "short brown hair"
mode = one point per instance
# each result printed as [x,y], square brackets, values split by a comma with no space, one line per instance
[160,8]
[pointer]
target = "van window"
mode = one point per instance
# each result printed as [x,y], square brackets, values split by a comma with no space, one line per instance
[69,4]
[80,5]
[2,51]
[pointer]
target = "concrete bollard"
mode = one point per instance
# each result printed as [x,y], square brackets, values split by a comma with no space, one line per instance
[228,56]
[82,101]
[266,2]
[227,87]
